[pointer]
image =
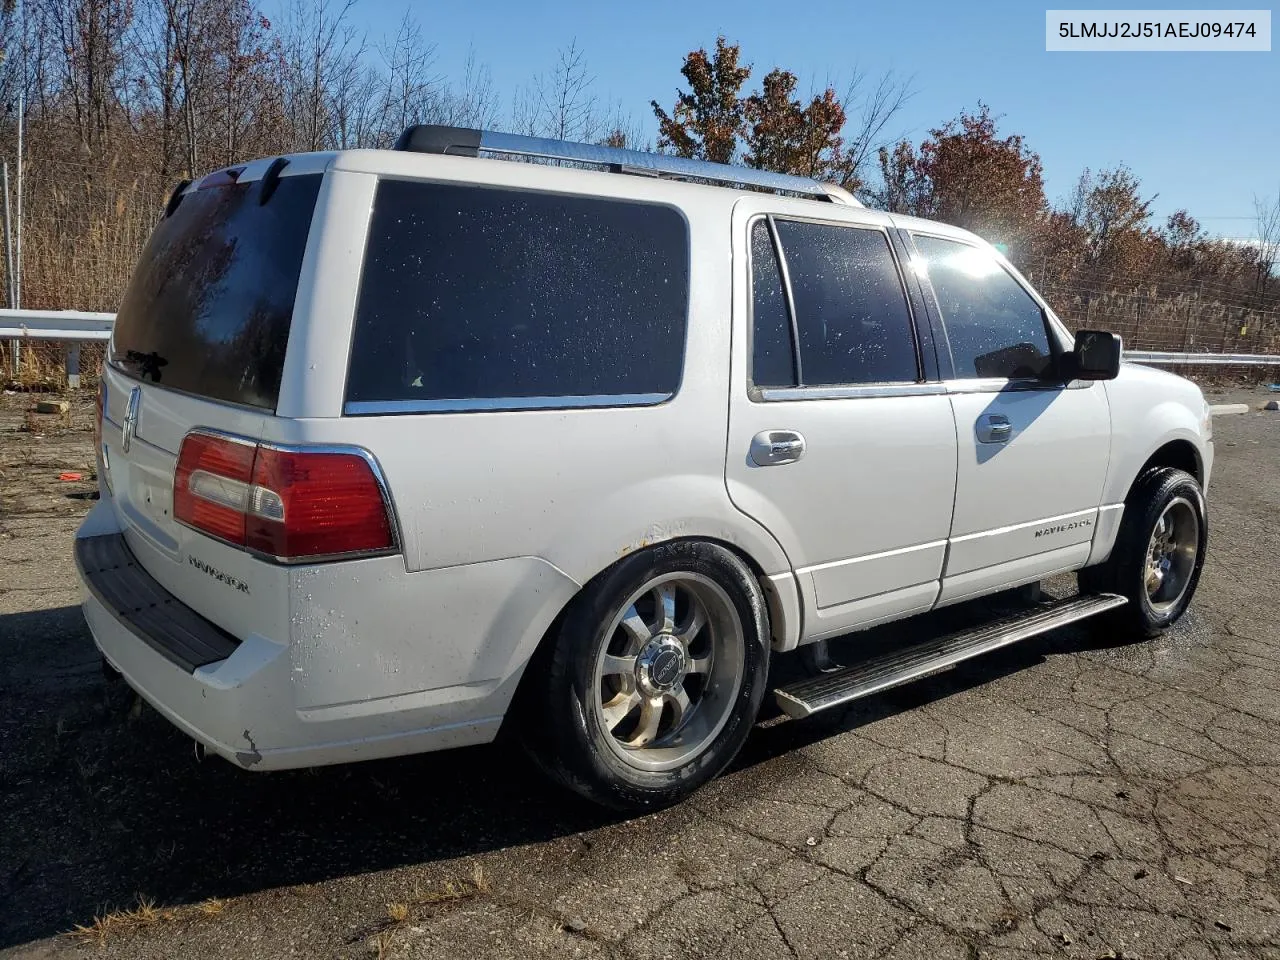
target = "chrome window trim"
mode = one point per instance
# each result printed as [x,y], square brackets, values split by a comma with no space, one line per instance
[366,408]
[851,392]
[1004,385]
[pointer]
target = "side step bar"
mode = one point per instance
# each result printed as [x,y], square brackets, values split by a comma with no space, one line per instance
[808,696]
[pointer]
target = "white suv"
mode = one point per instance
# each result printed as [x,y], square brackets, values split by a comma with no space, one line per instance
[398,445]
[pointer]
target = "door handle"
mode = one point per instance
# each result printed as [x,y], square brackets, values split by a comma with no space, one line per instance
[994,428]
[769,448]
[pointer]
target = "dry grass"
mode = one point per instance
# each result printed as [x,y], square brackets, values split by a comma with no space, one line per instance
[399,914]
[380,944]
[145,914]
[452,891]
[42,366]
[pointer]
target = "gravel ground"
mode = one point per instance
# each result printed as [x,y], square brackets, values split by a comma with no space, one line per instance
[1074,796]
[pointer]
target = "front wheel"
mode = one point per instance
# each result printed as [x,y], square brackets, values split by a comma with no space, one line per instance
[655,677]
[1158,553]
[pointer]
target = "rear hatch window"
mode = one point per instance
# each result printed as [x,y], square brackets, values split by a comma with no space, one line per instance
[209,306]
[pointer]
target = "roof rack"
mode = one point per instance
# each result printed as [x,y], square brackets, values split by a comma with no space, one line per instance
[464,142]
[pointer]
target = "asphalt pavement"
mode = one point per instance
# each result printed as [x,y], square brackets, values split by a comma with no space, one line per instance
[1078,795]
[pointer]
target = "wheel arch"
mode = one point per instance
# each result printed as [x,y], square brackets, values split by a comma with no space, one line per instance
[780,591]
[1177,449]
[1179,453]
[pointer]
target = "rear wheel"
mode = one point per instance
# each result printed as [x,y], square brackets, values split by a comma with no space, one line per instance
[655,677]
[1159,551]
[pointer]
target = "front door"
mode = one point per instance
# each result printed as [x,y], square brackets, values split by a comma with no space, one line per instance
[837,444]
[1032,450]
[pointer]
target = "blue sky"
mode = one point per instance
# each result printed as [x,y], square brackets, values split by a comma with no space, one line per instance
[1200,129]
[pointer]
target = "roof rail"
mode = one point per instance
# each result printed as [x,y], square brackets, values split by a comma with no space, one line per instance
[464,142]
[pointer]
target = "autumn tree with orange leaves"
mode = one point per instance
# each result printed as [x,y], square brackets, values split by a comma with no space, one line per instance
[707,119]
[773,128]
[968,175]
[789,136]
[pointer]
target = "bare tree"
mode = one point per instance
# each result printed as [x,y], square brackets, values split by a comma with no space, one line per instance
[474,103]
[868,115]
[88,36]
[621,129]
[411,88]
[158,79]
[1268,220]
[356,95]
[317,44]
[559,104]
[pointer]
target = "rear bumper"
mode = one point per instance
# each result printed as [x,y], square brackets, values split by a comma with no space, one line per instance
[242,706]
[124,589]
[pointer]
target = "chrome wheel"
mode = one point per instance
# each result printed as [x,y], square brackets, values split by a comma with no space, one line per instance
[669,670]
[1171,554]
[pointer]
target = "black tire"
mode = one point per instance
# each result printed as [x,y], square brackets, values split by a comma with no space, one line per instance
[1125,571]
[562,726]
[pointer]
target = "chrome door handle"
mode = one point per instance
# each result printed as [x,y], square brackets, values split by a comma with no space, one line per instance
[994,428]
[769,448]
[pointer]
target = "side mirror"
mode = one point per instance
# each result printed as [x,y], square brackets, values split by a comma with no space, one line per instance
[1096,356]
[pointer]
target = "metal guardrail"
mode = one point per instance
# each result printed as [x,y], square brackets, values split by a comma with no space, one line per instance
[73,326]
[55,325]
[1173,358]
[77,326]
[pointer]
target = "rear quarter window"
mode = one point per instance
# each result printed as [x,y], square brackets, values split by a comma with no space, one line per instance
[211,300]
[480,296]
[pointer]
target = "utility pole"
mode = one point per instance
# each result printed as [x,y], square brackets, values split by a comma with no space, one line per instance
[14,345]
[22,122]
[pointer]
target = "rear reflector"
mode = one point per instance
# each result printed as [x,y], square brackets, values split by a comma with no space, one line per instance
[99,409]
[286,503]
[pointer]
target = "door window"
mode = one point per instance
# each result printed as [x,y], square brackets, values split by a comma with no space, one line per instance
[772,359]
[850,308]
[995,328]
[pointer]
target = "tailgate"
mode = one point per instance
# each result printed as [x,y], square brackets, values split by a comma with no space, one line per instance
[199,341]
[224,584]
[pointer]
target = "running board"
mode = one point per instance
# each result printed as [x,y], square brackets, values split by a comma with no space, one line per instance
[808,696]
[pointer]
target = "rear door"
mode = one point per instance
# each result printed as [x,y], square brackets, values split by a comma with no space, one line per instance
[838,443]
[199,341]
[1033,450]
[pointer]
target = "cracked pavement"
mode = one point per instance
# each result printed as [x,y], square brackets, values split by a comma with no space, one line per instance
[1077,795]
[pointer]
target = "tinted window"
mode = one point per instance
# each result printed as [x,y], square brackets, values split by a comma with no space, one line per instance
[995,328]
[473,292]
[209,306]
[771,357]
[850,305]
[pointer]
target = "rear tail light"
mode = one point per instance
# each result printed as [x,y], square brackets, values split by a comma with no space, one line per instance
[291,504]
